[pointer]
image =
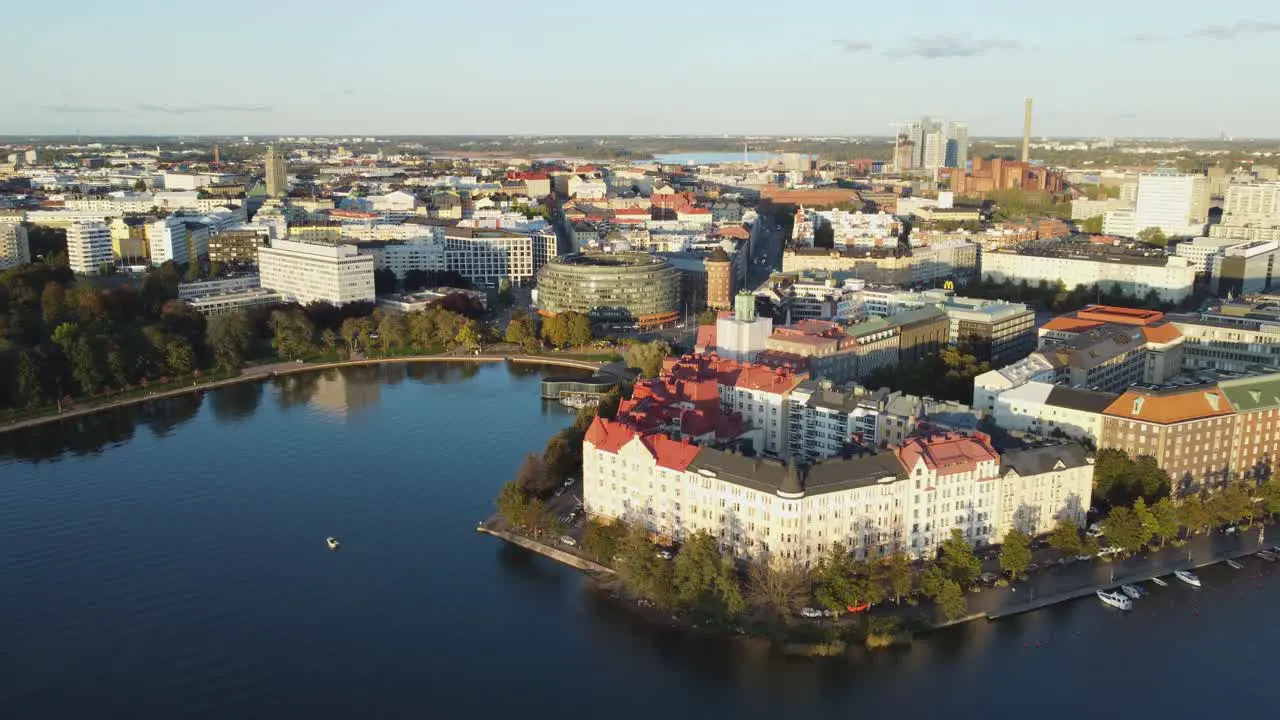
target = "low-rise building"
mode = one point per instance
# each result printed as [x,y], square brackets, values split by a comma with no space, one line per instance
[1042,408]
[1170,278]
[1234,337]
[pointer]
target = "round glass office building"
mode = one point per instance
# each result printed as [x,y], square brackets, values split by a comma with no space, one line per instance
[624,288]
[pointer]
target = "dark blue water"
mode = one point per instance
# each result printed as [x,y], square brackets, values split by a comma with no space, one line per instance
[169,561]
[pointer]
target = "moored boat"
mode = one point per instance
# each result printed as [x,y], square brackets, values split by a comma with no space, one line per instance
[1187,577]
[1267,555]
[1115,600]
[1160,581]
[1233,564]
[1132,591]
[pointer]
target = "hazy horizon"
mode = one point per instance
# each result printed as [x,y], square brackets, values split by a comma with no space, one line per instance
[813,68]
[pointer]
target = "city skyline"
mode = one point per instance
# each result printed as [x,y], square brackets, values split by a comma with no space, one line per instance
[393,69]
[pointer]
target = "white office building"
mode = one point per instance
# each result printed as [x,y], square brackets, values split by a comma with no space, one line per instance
[421,253]
[88,247]
[1176,203]
[485,257]
[743,335]
[314,272]
[1172,278]
[15,250]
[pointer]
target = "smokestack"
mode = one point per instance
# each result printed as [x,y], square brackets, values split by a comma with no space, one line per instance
[1026,134]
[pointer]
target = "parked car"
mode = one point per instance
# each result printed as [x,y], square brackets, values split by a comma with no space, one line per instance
[664,555]
[566,540]
[810,612]
[988,577]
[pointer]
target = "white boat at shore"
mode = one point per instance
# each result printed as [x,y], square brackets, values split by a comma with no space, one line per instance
[1267,555]
[1132,591]
[1115,600]
[1187,577]
[1160,581]
[1233,564]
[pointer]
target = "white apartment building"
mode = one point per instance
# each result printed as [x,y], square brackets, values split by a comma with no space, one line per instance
[1255,204]
[307,272]
[1172,278]
[989,385]
[823,420]
[422,253]
[849,229]
[88,247]
[760,396]
[1201,251]
[169,239]
[1176,203]
[1042,408]
[15,249]
[741,336]
[905,500]
[486,257]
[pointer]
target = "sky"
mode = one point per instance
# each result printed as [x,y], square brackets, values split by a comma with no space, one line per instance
[803,67]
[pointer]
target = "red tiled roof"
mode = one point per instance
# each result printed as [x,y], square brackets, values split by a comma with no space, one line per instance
[947,454]
[608,435]
[668,453]
[706,336]
[1167,332]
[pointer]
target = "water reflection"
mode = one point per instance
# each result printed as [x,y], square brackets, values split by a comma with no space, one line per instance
[341,393]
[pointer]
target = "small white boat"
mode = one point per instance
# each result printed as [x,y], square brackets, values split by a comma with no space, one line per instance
[1187,577]
[1132,591]
[1233,564]
[1115,600]
[332,542]
[1267,555]
[1160,581]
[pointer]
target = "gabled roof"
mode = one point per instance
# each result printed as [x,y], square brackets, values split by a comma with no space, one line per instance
[947,454]
[608,435]
[1038,461]
[1166,408]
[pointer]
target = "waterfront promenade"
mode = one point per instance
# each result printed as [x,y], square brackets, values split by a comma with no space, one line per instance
[260,372]
[1060,583]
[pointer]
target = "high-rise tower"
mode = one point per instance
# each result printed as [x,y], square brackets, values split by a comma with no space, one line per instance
[277,173]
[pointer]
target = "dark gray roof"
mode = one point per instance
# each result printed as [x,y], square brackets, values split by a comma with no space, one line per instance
[767,475]
[1078,399]
[919,315]
[1042,460]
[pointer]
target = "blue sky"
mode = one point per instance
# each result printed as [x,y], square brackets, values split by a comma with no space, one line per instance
[698,66]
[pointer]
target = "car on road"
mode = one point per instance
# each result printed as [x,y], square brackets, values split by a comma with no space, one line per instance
[988,577]
[566,540]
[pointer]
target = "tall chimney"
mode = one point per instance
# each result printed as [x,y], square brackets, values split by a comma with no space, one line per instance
[1026,134]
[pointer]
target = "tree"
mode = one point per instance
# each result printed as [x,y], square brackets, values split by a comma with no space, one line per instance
[217,268]
[140,185]
[555,330]
[1124,529]
[522,331]
[833,581]
[393,332]
[561,459]
[329,340]
[932,580]
[1065,538]
[53,301]
[513,503]
[292,334]
[895,573]
[505,296]
[952,604]
[1015,553]
[28,390]
[958,560]
[1146,520]
[529,476]
[179,356]
[229,337]
[704,579]
[1164,514]
[1193,515]
[707,317]
[641,570]
[1092,226]
[416,280]
[468,336]
[578,329]
[778,587]
[647,357]
[1153,236]
[603,540]
[1269,491]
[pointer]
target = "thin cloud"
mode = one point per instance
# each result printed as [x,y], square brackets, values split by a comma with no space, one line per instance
[70,108]
[1145,39]
[944,46]
[854,46]
[205,108]
[1234,30]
